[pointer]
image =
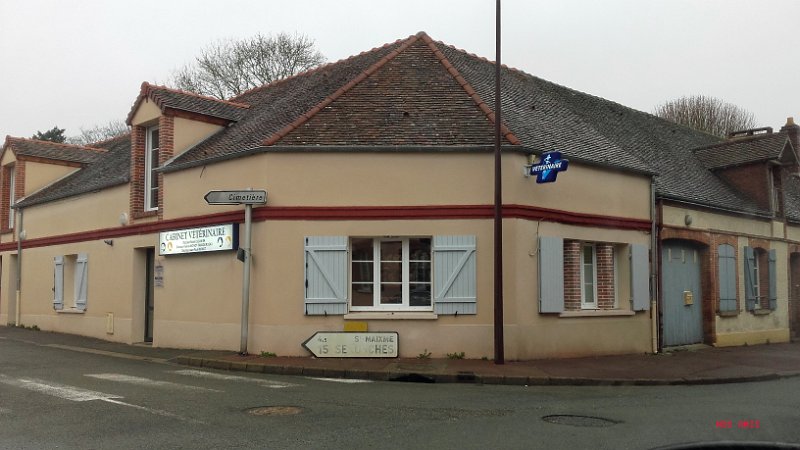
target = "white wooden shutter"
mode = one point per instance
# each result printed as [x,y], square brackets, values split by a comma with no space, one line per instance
[726,265]
[640,277]
[551,274]
[773,280]
[326,275]
[81,280]
[454,275]
[58,283]
[750,278]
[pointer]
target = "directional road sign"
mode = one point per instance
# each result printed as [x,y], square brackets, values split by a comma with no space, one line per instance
[349,344]
[245,197]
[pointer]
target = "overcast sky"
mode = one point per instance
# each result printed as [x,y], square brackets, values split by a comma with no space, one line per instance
[80,63]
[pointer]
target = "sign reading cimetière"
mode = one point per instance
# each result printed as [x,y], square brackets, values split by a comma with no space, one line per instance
[246,197]
[348,344]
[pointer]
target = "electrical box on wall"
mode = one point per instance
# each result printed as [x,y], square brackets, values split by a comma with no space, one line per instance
[110,323]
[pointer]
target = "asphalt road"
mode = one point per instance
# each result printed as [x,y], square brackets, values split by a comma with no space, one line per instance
[53,397]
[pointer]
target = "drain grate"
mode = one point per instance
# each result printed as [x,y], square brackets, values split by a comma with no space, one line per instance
[274,411]
[579,421]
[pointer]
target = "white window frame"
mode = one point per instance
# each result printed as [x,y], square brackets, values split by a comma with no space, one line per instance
[12,181]
[584,303]
[148,169]
[756,279]
[376,276]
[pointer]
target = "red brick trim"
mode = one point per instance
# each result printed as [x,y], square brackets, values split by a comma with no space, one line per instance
[54,162]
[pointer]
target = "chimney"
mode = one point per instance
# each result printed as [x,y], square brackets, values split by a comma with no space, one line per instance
[792,130]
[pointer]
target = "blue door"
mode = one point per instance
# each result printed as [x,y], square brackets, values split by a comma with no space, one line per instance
[680,287]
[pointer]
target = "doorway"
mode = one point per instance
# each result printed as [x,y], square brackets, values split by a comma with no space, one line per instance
[149,297]
[681,294]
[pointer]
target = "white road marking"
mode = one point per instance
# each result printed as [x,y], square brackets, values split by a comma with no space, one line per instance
[218,376]
[141,381]
[341,380]
[4,410]
[77,394]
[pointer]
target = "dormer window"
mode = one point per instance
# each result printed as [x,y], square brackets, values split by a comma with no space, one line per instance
[151,164]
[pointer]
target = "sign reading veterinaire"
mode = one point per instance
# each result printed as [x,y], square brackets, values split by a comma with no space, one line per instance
[197,240]
[548,168]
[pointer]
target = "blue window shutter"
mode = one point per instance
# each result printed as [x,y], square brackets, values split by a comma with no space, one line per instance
[749,278]
[81,280]
[58,283]
[726,264]
[454,275]
[325,275]
[551,274]
[773,280]
[640,277]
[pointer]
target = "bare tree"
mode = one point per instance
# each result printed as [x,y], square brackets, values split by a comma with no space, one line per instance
[99,133]
[228,68]
[705,113]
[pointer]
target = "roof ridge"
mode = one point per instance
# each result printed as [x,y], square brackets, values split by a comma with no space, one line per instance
[194,94]
[741,140]
[303,118]
[60,144]
[318,68]
[470,91]
[106,141]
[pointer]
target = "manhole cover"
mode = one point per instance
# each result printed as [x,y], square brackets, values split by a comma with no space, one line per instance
[274,411]
[579,421]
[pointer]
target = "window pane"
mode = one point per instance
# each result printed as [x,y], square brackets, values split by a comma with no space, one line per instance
[587,254]
[391,272]
[362,249]
[419,249]
[362,271]
[392,251]
[154,138]
[420,294]
[419,271]
[391,294]
[363,294]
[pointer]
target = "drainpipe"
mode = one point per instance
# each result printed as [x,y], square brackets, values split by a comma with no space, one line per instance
[654,264]
[19,266]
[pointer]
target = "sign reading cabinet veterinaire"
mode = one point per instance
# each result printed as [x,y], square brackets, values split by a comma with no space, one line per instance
[198,240]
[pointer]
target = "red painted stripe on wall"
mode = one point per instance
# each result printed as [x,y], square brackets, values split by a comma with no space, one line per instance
[266,213]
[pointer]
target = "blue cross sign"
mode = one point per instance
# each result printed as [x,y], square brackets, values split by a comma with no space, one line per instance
[547,169]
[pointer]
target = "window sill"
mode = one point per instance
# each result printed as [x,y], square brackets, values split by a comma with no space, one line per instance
[391,315]
[761,312]
[598,313]
[72,310]
[728,313]
[145,214]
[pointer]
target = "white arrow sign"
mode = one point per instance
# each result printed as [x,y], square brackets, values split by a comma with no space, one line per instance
[236,197]
[348,344]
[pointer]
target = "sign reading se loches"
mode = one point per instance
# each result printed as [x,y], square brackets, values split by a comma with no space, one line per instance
[349,344]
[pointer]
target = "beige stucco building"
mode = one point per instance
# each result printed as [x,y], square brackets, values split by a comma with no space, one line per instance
[379,175]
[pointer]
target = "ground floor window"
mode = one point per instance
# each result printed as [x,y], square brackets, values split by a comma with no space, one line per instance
[391,273]
[364,274]
[70,281]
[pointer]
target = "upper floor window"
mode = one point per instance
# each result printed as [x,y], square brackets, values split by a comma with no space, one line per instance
[588,277]
[12,181]
[151,162]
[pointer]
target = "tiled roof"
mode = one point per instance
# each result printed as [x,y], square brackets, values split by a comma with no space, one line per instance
[112,169]
[791,190]
[52,150]
[165,98]
[743,151]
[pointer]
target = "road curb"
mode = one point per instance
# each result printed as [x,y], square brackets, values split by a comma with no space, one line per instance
[463,377]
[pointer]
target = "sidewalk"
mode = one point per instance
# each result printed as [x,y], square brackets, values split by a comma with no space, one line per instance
[707,365]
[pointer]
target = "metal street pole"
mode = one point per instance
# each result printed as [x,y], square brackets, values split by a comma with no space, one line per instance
[248,219]
[499,354]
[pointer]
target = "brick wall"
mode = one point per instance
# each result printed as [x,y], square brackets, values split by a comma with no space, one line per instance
[572,275]
[166,149]
[751,180]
